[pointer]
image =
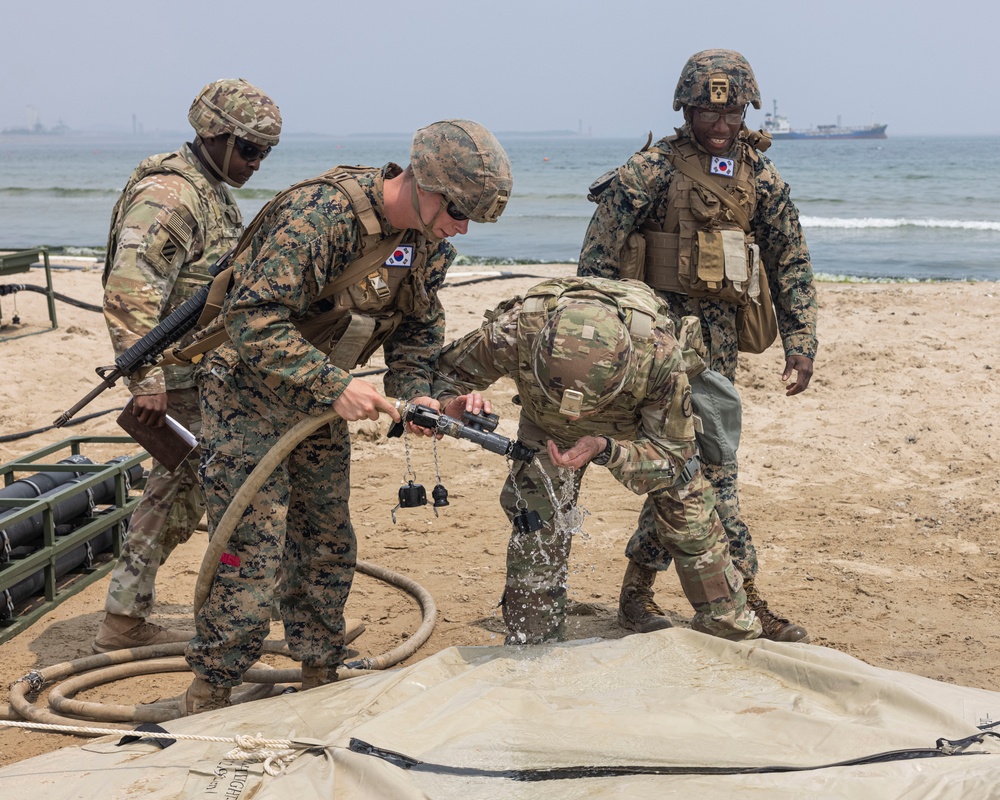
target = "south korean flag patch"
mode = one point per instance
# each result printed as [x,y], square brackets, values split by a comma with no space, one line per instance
[402,256]
[722,166]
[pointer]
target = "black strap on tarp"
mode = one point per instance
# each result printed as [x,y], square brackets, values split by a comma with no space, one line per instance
[943,747]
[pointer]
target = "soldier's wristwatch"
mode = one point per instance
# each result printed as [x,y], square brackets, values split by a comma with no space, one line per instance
[602,458]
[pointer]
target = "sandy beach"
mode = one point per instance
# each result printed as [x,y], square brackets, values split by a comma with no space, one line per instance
[873,497]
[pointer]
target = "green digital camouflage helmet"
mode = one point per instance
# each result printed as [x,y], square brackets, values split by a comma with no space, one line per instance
[716,79]
[583,347]
[234,106]
[463,161]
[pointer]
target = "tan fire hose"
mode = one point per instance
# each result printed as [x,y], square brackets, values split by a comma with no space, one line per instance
[120,664]
[230,519]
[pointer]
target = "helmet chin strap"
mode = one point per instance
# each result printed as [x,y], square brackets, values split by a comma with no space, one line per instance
[221,172]
[424,226]
[230,144]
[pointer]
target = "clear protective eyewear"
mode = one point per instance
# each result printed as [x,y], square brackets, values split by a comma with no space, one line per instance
[708,117]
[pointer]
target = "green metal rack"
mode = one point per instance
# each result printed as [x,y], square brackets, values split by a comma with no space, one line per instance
[112,516]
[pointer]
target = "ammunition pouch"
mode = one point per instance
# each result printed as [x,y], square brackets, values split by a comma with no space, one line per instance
[350,339]
[633,258]
[720,266]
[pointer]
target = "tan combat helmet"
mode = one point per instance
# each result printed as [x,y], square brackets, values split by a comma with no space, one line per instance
[716,79]
[235,107]
[583,356]
[463,161]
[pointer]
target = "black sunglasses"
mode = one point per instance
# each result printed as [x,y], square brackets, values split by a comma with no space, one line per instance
[454,213]
[250,151]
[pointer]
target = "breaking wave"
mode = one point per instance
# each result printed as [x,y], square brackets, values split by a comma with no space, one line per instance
[900,222]
[57,191]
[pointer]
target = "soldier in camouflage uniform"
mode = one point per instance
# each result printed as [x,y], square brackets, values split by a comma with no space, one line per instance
[703,217]
[173,221]
[335,267]
[600,378]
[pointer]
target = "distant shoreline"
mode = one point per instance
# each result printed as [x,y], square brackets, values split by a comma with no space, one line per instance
[15,135]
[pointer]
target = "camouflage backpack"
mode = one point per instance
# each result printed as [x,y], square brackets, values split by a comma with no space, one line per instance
[584,340]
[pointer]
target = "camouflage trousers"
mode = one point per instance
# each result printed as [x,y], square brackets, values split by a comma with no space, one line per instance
[717,403]
[685,527]
[297,525]
[170,509]
[643,547]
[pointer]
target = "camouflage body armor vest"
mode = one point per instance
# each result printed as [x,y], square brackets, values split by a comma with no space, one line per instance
[641,313]
[356,312]
[350,322]
[220,224]
[705,247]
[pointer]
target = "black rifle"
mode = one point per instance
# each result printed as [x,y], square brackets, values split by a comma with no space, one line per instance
[147,351]
[476,428]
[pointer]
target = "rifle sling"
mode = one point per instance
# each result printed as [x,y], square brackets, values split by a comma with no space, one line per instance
[215,333]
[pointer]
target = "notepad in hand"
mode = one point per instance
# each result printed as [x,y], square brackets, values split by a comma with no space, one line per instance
[170,444]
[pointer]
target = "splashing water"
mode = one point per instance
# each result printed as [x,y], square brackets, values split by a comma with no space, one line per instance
[569,516]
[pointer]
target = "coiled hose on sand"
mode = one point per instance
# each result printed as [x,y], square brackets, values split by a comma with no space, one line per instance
[73,677]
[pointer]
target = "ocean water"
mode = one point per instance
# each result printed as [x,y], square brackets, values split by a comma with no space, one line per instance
[903,208]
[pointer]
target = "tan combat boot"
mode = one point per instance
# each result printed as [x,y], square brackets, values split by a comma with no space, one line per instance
[118,632]
[317,676]
[637,610]
[203,696]
[777,629]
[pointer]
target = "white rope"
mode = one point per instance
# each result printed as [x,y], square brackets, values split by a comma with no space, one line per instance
[276,754]
[251,748]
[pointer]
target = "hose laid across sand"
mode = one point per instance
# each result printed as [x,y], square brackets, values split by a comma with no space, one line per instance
[117,665]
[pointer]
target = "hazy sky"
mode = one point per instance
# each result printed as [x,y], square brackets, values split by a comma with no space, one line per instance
[608,67]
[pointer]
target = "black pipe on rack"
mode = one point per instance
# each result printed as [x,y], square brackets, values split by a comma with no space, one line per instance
[29,532]
[79,557]
[42,482]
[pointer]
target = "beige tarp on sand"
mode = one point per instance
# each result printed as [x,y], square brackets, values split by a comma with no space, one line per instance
[671,698]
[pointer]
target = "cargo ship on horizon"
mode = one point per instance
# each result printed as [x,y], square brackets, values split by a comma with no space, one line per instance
[777,125]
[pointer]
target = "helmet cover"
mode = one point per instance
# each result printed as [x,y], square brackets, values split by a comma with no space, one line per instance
[585,347]
[234,106]
[716,79]
[463,161]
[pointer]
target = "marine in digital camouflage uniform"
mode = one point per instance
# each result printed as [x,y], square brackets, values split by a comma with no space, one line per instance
[676,217]
[175,218]
[295,334]
[600,378]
